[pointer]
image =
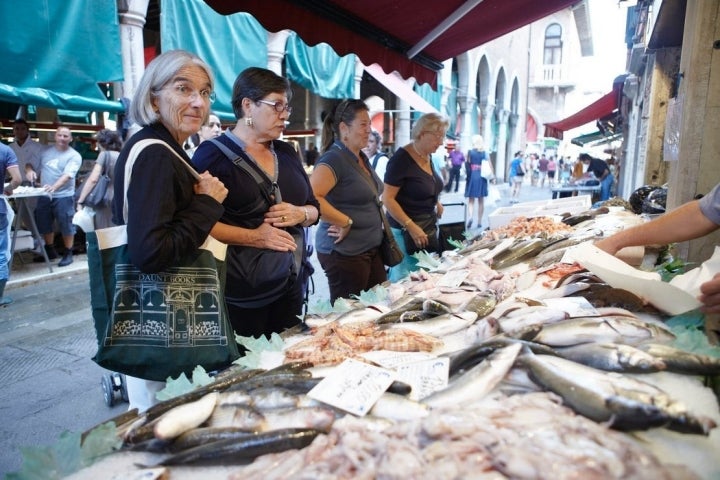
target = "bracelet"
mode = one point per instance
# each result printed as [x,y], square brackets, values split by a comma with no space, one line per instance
[307,216]
[409,221]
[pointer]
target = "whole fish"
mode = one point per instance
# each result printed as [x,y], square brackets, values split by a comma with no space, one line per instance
[433,307]
[393,316]
[397,407]
[602,295]
[200,436]
[627,330]
[621,401]
[612,357]
[185,417]
[471,356]
[531,316]
[244,449]
[681,361]
[441,325]
[519,252]
[482,304]
[475,383]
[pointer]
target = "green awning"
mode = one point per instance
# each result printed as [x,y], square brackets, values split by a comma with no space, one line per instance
[56,53]
[229,44]
[319,69]
[595,138]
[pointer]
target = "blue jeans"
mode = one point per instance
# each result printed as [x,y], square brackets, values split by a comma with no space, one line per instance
[606,187]
[4,246]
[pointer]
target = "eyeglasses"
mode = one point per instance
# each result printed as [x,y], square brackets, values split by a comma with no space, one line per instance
[190,94]
[278,106]
[437,135]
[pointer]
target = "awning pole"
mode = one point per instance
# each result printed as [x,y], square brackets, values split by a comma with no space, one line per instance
[444,25]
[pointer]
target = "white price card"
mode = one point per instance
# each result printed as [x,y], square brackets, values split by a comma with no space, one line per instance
[425,376]
[353,386]
[574,306]
[453,278]
[391,360]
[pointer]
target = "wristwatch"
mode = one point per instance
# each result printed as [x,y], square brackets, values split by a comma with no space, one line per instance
[349,223]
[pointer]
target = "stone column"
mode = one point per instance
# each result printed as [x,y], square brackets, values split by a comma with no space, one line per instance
[486,127]
[466,104]
[131,15]
[500,158]
[402,123]
[276,50]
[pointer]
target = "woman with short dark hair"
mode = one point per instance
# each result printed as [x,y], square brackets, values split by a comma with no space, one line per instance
[109,144]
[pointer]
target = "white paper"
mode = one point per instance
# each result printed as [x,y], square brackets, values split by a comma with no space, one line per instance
[425,376]
[453,278]
[691,281]
[391,360]
[647,285]
[353,386]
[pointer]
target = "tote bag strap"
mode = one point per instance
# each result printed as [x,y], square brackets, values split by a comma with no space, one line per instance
[132,156]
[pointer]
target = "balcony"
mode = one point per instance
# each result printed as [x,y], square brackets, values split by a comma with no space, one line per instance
[553,76]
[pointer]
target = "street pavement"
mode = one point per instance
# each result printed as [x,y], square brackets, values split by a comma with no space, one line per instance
[49,383]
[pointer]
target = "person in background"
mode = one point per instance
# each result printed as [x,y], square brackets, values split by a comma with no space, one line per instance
[457,160]
[255,225]
[169,213]
[516,167]
[351,229]
[412,191]
[542,167]
[689,221]
[602,172]
[110,144]
[60,164]
[373,150]
[8,166]
[29,155]
[551,168]
[477,186]
[311,155]
[211,129]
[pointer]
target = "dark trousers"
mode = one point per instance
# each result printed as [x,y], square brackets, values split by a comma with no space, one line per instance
[350,274]
[454,175]
[274,317]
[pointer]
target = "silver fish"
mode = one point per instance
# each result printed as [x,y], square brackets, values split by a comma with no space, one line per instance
[441,325]
[398,407]
[476,382]
[612,357]
[627,330]
[621,401]
[482,304]
[681,361]
[531,316]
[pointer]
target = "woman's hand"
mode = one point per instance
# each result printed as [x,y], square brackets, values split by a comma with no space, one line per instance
[285,215]
[339,232]
[418,235]
[212,186]
[267,236]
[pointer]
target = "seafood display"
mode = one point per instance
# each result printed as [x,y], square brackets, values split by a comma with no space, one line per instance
[490,364]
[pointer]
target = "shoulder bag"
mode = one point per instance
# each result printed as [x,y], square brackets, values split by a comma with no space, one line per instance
[159,325]
[485,169]
[389,249]
[96,197]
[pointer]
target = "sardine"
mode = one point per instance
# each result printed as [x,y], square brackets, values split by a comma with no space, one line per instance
[244,449]
[476,382]
[612,357]
[681,361]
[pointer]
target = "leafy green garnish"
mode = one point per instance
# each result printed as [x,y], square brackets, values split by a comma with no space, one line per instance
[426,260]
[67,455]
[690,335]
[174,387]
[375,295]
[254,348]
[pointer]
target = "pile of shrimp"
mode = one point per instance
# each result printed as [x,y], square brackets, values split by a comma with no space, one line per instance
[520,227]
[332,343]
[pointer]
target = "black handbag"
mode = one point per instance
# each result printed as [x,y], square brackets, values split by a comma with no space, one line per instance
[428,223]
[389,248]
[96,197]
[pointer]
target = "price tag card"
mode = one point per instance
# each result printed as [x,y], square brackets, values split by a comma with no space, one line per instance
[453,278]
[391,360]
[353,386]
[425,376]
[574,306]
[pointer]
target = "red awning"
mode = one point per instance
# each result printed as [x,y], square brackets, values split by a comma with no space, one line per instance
[411,37]
[599,109]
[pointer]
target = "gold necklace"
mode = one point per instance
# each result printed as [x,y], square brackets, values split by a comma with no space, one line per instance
[426,157]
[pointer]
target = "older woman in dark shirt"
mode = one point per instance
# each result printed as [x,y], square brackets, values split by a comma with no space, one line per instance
[412,191]
[350,231]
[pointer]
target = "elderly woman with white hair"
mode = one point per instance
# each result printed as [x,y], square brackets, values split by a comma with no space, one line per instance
[477,186]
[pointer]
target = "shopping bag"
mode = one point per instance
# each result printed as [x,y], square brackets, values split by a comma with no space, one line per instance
[158,325]
[96,197]
[486,170]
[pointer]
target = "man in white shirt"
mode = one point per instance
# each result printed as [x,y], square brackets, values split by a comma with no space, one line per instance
[27,151]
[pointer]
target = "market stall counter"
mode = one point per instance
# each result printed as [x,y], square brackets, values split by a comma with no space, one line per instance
[507,357]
